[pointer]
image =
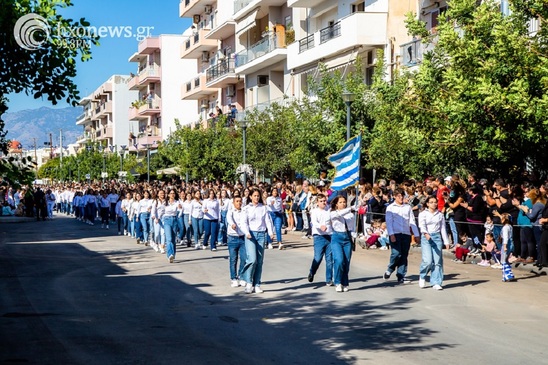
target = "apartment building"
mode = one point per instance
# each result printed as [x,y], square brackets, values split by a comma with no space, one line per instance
[255,52]
[105,119]
[156,86]
[211,42]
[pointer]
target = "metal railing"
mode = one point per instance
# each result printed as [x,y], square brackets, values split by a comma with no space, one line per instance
[306,43]
[328,33]
[411,52]
[240,4]
[266,45]
[220,69]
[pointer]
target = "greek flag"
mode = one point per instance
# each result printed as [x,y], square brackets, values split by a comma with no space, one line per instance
[347,164]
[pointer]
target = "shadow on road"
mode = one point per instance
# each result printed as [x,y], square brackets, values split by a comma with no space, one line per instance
[64,304]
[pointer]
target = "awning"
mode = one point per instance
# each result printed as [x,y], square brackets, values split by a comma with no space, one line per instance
[247,23]
[168,171]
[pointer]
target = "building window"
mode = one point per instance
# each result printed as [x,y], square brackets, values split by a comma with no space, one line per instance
[359,6]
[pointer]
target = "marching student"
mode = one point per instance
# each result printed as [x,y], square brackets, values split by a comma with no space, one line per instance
[236,242]
[343,223]
[320,218]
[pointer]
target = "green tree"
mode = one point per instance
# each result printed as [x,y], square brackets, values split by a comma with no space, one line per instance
[477,101]
[44,72]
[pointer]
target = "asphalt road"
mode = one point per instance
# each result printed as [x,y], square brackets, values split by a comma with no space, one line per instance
[75,294]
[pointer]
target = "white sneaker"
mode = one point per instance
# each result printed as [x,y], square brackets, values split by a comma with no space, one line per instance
[437,287]
[242,283]
[204,247]
[270,247]
[234,284]
[281,246]
[107,226]
[339,288]
[422,283]
[383,248]
[171,259]
[248,288]
[258,289]
[125,233]
[196,247]
[345,289]
[154,247]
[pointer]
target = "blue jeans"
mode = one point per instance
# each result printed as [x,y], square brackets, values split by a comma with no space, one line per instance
[137,228]
[159,232]
[454,231]
[211,230]
[398,255]
[181,230]
[322,247]
[384,241]
[277,220]
[188,227]
[254,249]
[170,224]
[432,259]
[144,218]
[342,253]
[236,248]
[222,238]
[125,221]
[198,227]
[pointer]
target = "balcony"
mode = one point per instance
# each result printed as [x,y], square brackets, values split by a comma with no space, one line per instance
[221,74]
[103,133]
[80,119]
[302,3]
[188,8]
[83,138]
[102,109]
[412,52]
[196,88]
[267,52]
[149,75]
[149,45]
[241,7]
[152,140]
[283,101]
[221,31]
[133,83]
[358,29]
[196,44]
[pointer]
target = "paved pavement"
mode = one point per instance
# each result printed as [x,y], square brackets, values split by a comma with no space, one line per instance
[76,294]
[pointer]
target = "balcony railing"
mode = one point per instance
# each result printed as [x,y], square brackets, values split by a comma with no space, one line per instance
[306,43]
[328,33]
[187,43]
[240,4]
[266,45]
[219,70]
[411,52]
[81,116]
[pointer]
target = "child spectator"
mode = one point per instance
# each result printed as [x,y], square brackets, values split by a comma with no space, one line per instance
[488,250]
[489,226]
[383,238]
[463,248]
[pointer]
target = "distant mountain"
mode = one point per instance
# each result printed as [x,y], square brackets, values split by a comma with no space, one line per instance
[25,125]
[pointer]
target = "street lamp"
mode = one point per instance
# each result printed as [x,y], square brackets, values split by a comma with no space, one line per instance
[348,99]
[147,146]
[122,152]
[240,119]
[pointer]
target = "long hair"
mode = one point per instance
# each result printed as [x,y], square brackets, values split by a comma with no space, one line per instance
[253,190]
[335,201]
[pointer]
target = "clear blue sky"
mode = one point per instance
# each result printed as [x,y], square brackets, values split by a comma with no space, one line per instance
[111,56]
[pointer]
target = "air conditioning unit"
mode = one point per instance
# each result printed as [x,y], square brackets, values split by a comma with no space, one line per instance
[231,90]
[208,9]
[262,80]
[205,56]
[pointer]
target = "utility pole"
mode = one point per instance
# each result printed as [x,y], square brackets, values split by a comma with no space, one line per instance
[50,147]
[61,144]
[35,157]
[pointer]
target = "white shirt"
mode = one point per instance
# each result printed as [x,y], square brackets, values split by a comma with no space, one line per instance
[400,219]
[433,223]
[236,217]
[158,209]
[257,219]
[321,217]
[196,211]
[343,219]
[224,204]
[145,205]
[211,209]
[277,206]
[126,204]
[187,206]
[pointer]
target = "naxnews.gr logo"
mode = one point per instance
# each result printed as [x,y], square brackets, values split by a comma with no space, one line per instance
[33,32]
